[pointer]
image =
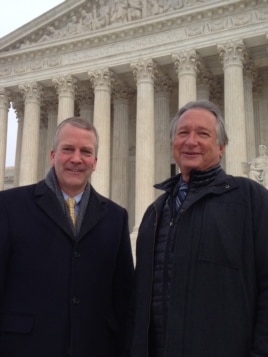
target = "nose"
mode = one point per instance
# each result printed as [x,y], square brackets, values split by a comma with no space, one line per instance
[76,157]
[191,139]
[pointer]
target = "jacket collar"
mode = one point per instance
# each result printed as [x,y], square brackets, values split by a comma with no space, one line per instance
[48,202]
[199,181]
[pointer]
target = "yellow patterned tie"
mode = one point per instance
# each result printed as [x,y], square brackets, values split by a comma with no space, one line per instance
[70,201]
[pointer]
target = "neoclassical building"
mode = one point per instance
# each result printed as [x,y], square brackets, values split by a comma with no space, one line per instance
[127,65]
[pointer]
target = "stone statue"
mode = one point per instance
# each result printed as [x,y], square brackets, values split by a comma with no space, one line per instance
[119,12]
[258,170]
[134,10]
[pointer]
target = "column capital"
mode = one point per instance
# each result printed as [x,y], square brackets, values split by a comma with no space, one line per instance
[163,84]
[250,70]
[51,104]
[102,78]
[31,91]
[43,120]
[186,61]
[257,86]
[18,106]
[5,97]
[232,52]
[205,77]
[65,84]
[121,90]
[84,96]
[217,92]
[144,69]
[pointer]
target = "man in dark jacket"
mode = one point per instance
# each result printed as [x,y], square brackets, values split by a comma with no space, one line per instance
[202,253]
[65,276]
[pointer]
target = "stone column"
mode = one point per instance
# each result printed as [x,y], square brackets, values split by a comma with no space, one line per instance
[42,155]
[260,136]
[85,100]
[52,106]
[102,81]
[163,90]
[120,145]
[66,91]
[18,106]
[186,66]
[132,159]
[204,80]
[217,95]
[232,54]
[144,72]
[30,135]
[250,74]
[4,106]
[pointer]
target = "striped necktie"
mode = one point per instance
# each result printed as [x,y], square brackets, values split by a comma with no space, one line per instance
[182,192]
[70,201]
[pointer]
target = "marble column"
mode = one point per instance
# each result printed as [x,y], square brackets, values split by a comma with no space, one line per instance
[204,80]
[120,145]
[144,73]
[258,89]
[132,159]
[186,66]
[18,106]
[250,74]
[30,134]
[66,87]
[102,81]
[85,102]
[42,154]
[232,54]
[52,106]
[163,91]
[4,106]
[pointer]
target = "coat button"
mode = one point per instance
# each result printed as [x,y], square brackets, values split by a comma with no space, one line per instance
[76,300]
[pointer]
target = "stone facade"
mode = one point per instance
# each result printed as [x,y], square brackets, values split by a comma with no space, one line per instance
[127,65]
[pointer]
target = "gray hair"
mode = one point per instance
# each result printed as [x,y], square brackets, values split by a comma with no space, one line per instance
[80,123]
[222,137]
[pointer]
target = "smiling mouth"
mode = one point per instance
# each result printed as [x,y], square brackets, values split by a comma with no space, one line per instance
[191,153]
[74,171]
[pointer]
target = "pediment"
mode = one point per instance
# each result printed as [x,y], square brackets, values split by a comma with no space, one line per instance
[78,18]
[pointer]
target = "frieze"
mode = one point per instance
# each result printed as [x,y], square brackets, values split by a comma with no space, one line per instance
[105,13]
[204,27]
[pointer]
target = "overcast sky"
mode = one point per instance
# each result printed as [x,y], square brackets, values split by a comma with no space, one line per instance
[13,14]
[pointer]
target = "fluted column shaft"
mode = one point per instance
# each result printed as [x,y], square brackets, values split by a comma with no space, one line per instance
[4,106]
[42,147]
[186,68]
[250,74]
[145,155]
[51,128]
[30,135]
[120,146]
[232,55]
[86,105]
[18,106]
[204,80]
[163,90]
[101,81]
[66,91]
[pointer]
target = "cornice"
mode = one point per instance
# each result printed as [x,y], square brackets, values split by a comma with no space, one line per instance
[60,16]
[187,24]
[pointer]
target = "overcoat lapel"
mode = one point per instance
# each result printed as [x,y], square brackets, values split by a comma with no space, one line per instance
[48,202]
[95,211]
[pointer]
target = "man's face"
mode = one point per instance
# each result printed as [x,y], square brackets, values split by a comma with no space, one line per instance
[195,144]
[74,158]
